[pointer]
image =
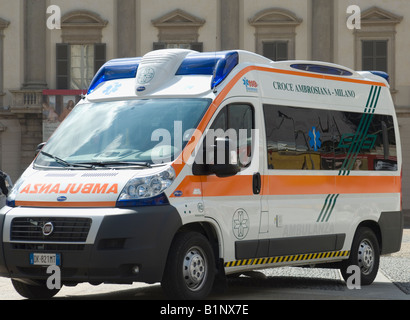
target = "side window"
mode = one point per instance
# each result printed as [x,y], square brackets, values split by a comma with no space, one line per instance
[314,139]
[366,147]
[298,140]
[236,121]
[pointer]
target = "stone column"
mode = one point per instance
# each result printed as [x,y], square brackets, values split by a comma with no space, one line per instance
[35,64]
[126,28]
[229,10]
[3,24]
[322,30]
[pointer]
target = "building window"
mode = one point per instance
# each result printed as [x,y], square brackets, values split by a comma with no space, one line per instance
[178,45]
[82,65]
[178,29]
[81,52]
[196,46]
[374,55]
[376,42]
[275,31]
[78,63]
[276,51]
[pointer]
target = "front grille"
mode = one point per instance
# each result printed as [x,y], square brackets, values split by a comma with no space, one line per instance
[65,229]
[56,247]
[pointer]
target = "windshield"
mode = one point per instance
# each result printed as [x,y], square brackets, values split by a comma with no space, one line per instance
[136,132]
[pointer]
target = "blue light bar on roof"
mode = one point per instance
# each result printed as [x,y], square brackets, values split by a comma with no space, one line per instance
[115,69]
[217,64]
[382,74]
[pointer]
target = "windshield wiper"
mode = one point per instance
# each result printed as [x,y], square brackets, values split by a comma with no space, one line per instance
[117,163]
[65,163]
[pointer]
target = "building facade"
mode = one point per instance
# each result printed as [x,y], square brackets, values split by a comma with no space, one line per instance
[50,50]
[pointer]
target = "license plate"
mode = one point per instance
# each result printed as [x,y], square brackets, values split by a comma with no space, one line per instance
[45,259]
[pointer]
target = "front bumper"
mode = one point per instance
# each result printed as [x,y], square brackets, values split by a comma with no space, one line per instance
[118,240]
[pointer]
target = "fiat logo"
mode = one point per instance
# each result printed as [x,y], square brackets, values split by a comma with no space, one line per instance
[48,229]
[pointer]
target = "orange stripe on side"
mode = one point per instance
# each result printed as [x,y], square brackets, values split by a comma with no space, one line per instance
[298,185]
[44,204]
[304,185]
[238,185]
[241,185]
[372,184]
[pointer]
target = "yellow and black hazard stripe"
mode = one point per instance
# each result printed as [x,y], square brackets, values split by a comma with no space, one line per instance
[290,258]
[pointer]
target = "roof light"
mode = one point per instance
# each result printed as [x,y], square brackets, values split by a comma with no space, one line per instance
[382,74]
[318,68]
[217,64]
[115,69]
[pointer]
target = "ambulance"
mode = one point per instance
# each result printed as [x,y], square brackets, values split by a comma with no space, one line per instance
[184,168]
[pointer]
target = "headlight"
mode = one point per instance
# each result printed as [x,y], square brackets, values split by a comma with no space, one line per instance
[143,191]
[11,198]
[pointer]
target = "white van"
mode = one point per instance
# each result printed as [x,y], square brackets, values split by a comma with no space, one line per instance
[183,167]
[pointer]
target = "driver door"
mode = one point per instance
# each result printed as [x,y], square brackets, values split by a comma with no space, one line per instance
[235,202]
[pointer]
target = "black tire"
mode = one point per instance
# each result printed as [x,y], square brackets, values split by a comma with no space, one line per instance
[37,291]
[190,269]
[365,253]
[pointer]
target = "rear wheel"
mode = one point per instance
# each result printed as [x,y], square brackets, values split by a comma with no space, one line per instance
[190,269]
[34,291]
[365,254]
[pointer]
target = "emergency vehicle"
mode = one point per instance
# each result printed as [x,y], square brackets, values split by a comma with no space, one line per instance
[183,168]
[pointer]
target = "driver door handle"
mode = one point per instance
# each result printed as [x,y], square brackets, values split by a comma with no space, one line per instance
[256,183]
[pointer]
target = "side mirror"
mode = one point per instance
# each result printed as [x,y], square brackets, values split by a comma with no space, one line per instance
[223,162]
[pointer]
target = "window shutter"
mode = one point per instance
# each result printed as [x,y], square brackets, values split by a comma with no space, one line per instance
[374,55]
[159,45]
[276,51]
[100,58]
[367,55]
[381,55]
[197,46]
[281,51]
[62,65]
[269,50]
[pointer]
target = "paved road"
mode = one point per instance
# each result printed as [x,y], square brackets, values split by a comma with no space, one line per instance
[392,282]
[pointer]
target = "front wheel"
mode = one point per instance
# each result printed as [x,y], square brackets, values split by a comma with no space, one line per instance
[365,254]
[190,269]
[34,291]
